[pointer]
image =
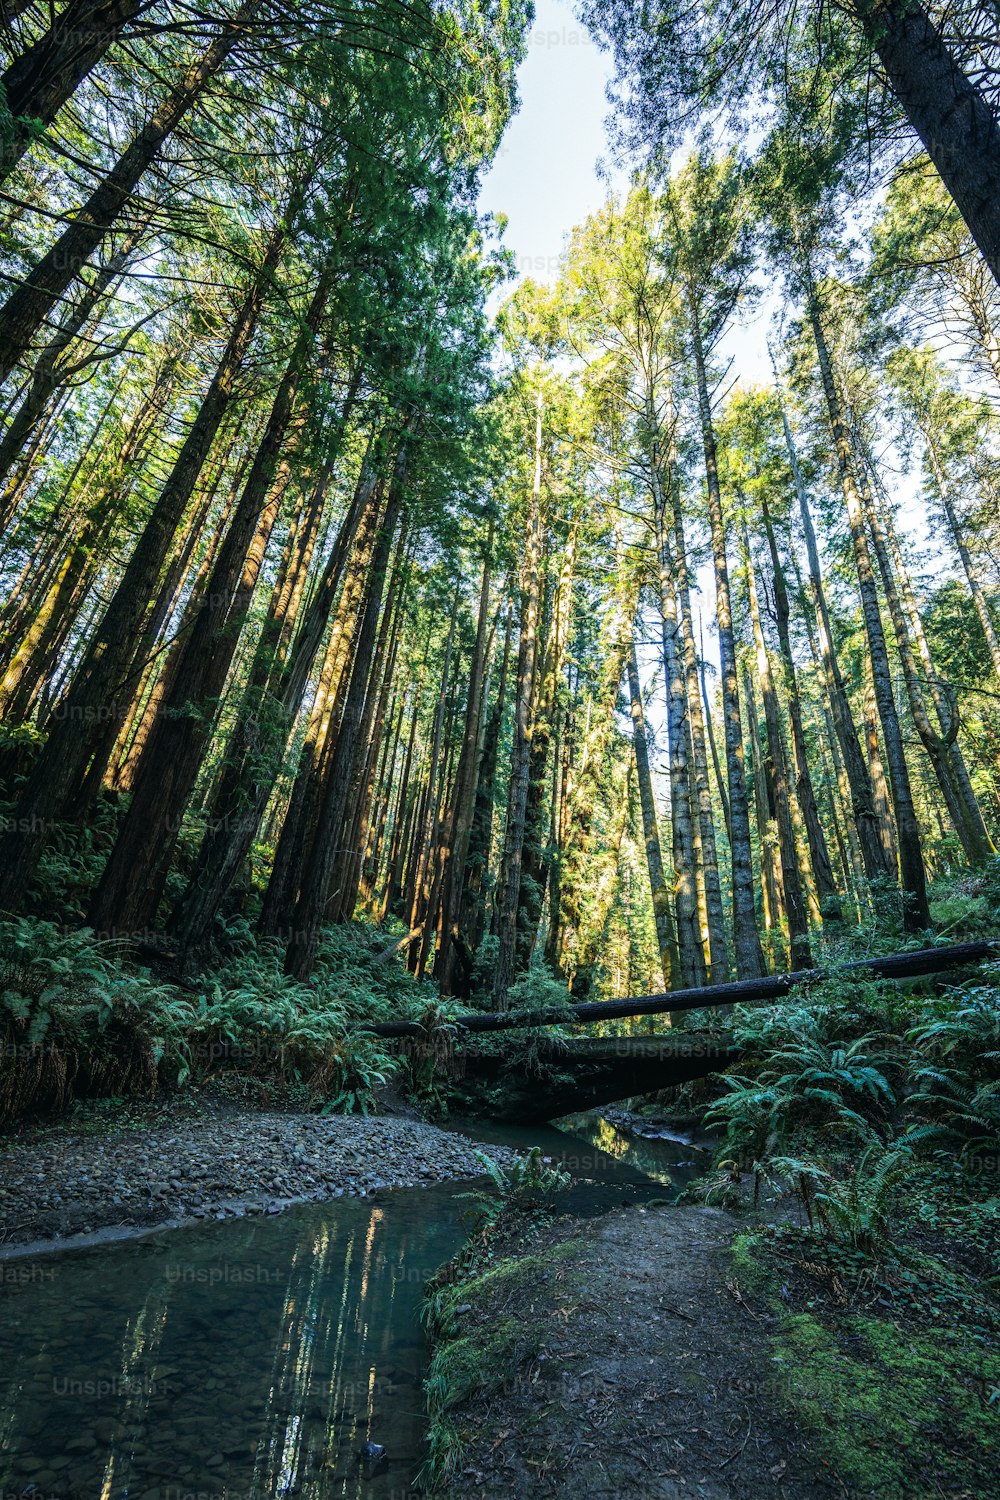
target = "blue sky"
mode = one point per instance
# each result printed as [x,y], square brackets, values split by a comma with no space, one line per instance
[544,177]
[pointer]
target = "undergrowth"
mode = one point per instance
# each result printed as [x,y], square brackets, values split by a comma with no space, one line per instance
[79,1018]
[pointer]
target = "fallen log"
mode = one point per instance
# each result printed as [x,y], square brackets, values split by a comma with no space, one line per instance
[742,992]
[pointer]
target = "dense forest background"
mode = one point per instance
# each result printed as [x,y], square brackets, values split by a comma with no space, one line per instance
[329,599]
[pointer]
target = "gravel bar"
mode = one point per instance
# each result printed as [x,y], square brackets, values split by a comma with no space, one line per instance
[68,1183]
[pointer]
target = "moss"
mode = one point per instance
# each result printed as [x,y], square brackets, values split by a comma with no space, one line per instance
[478,1364]
[498,1283]
[747,1266]
[894,1410]
[891,1410]
[475,1364]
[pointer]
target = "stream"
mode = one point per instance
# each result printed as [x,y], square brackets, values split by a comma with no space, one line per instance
[250,1359]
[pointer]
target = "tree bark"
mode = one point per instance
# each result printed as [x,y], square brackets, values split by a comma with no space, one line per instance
[466,783]
[24,312]
[96,703]
[819,853]
[776,766]
[691,953]
[45,75]
[520,762]
[916,913]
[861,795]
[749,959]
[718,943]
[953,119]
[314,883]
[666,936]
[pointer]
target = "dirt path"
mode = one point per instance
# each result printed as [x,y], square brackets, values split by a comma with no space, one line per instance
[649,1378]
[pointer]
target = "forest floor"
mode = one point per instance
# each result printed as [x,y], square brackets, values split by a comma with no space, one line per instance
[117,1165]
[667,1352]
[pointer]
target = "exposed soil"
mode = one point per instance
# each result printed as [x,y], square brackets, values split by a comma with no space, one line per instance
[649,1380]
[662,1361]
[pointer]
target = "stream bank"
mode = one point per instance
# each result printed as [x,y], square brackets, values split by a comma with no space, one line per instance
[672,1351]
[139,1166]
[253,1356]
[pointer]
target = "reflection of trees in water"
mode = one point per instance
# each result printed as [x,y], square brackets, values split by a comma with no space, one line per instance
[279,1347]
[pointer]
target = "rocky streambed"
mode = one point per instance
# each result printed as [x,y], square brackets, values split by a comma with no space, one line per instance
[71,1181]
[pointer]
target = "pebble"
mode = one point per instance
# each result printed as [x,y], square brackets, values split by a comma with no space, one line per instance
[237,1163]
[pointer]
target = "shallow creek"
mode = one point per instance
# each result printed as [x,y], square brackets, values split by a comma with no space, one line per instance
[252,1359]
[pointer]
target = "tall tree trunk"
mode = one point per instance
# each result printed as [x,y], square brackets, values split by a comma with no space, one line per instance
[819,853]
[767,835]
[24,312]
[749,959]
[776,766]
[477,864]
[958,539]
[426,839]
[952,117]
[347,868]
[96,703]
[718,943]
[941,743]
[666,935]
[291,854]
[869,828]
[46,74]
[456,850]
[172,757]
[916,913]
[716,762]
[690,950]
[520,761]
[880,787]
[314,883]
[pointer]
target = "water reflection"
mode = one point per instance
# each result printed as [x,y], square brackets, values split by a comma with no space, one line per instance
[241,1361]
[672,1163]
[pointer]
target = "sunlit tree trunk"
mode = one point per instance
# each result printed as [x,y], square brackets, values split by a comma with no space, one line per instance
[749,959]
[916,914]
[40,80]
[776,767]
[520,761]
[688,925]
[314,885]
[819,854]
[718,942]
[448,964]
[950,114]
[958,539]
[767,835]
[666,936]
[858,793]
[25,311]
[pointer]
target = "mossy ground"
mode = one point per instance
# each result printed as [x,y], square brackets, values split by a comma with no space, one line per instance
[892,1368]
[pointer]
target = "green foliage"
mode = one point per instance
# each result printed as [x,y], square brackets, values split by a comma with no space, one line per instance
[74,1021]
[806,1082]
[955,1071]
[859,1208]
[529,1183]
[529,1186]
[78,1019]
[891,1409]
